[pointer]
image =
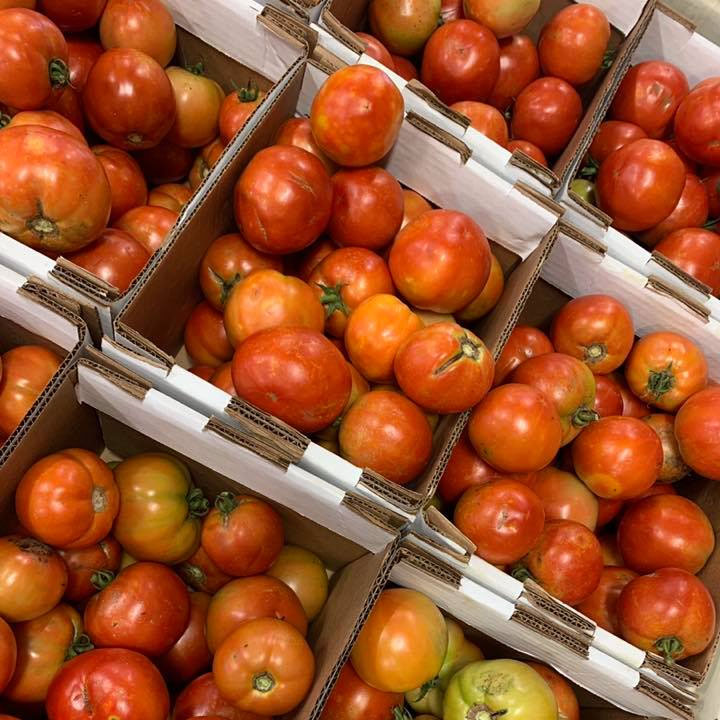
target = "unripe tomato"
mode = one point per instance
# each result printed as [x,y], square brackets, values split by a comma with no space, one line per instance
[305,574]
[404,27]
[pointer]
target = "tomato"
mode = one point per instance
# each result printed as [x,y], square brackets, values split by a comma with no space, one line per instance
[145,25]
[529,149]
[669,612]
[572,44]
[414,205]
[499,687]
[201,573]
[611,136]
[503,518]
[697,429]
[201,698]
[113,683]
[82,55]
[665,369]
[404,27]
[305,574]
[68,104]
[547,113]
[167,162]
[58,197]
[356,115]
[8,654]
[564,497]
[145,608]
[697,122]
[204,371]
[236,110]
[463,470]
[388,433]
[524,343]
[632,405]
[596,329]
[485,119]
[68,499]
[33,578]
[206,340]
[489,296]
[87,566]
[673,467]
[608,398]
[568,707]
[171,196]
[451,10]
[46,118]
[519,66]
[618,457]
[404,67]
[697,252]
[205,162]
[198,100]
[149,225]
[712,189]
[601,606]
[30,4]
[34,67]
[516,429]
[444,368]
[73,15]
[159,508]
[127,183]
[298,132]
[649,95]
[376,50]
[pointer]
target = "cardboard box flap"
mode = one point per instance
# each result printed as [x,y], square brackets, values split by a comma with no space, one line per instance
[570,231]
[671,267]
[545,175]
[430,565]
[52,298]
[338,26]
[682,678]
[661,288]
[397,495]
[423,536]
[440,135]
[442,525]
[380,516]
[83,281]
[540,623]
[120,377]
[534,595]
[288,27]
[326,61]
[424,93]
[543,200]
[667,698]
[137,341]
[592,211]
[676,16]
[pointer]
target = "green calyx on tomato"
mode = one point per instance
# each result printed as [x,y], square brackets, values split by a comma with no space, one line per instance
[332,299]
[521,573]
[226,286]
[197,69]
[263,682]
[81,643]
[583,416]
[247,93]
[198,503]
[669,647]
[660,382]
[101,578]
[59,73]
[468,349]
[225,503]
[589,170]
[608,59]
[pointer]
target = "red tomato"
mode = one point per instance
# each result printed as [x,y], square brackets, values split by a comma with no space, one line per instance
[611,136]
[673,467]
[34,67]
[145,608]
[608,510]
[114,683]
[82,56]
[601,605]
[618,457]
[632,405]
[58,197]
[296,374]
[611,553]
[697,252]
[127,183]
[403,27]
[657,489]
[608,398]
[649,95]
[222,378]
[171,196]
[451,10]
[203,371]
[697,122]
[236,110]
[33,578]
[251,598]
[547,113]
[166,162]
[489,296]
[503,518]
[516,429]
[697,430]
[298,132]
[283,199]
[49,119]
[388,433]
[568,707]
[596,329]
[669,612]
[144,25]
[206,340]
[502,17]
[8,654]
[444,368]
[519,66]
[73,15]
[566,561]
[485,119]
[149,225]
[356,115]
[464,469]
[68,104]
[564,497]
[201,698]
[712,189]
[414,205]
[440,261]
[376,50]
[87,566]
[404,68]
[461,61]
[129,100]
[690,165]
[205,162]
[201,573]
[529,149]
[572,44]
[665,369]
[524,343]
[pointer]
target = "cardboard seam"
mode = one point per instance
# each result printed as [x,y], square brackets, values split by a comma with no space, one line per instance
[676,16]
[84,281]
[375,514]
[400,496]
[341,33]
[428,96]
[543,200]
[570,231]
[135,338]
[442,136]
[130,383]
[37,291]
[429,565]
[679,273]
[654,284]
[524,162]
[665,697]
[287,27]
[267,451]
[532,620]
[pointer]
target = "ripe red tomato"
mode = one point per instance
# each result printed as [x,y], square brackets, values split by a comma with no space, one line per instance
[167,162]
[145,608]
[697,252]
[632,405]
[608,398]
[296,374]
[88,565]
[206,340]
[485,119]
[34,67]
[673,468]
[524,343]
[444,368]
[519,66]
[127,183]
[567,703]
[461,61]
[618,457]
[516,429]
[356,115]
[502,17]
[250,598]
[440,261]
[451,10]
[503,518]
[657,489]
[464,469]
[73,15]
[529,149]
[236,109]
[608,510]
[49,119]
[403,27]
[113,682]
[601,605]
[8,654]
[566,561]
[283,199]
[564,497]
[649,95]
[298,132]
[712,189]
[68,104]
[201,573]
[414,205]
[201,698]
[149,225]
[596,329]
[388,433]
[404,67]
[82,55]
[33,578]
[172,196]
[669,612]
[144,25]
[697,122]
[489,296]
[205,162]
[376,50]
[611,136]
[572,44]
[57,197]
[697,429]
[198,100]
[665,369]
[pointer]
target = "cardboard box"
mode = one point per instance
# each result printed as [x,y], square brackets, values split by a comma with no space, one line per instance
[425,159]
[306,10]
[208,30]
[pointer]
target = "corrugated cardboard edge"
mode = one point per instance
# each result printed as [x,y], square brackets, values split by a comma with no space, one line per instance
[442,525]
[326,61]
[379,516]
[574,621]
[401,497]
[543,200]
[570,231]
[601,218]
[666,697]
[661,288]
[679,273]
[429,97]
[340,32]
[442,136]
[286,26]
[429,564]
[685,681]
[116,373]
[676,16]
[545,175]
[84,282]
[134,338]
[540,624]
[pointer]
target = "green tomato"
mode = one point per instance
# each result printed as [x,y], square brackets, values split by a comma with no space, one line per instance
[585,189]
[467,653]
[499,690]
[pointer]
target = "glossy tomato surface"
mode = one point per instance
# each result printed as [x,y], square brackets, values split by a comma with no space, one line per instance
[697,123]
[298,132]
[519,66]
[697,429]
[127,183]
[530,149]
[601,605]
[200,573]
[568,706]
[206,339]
[524,342]
[611,136]
[464,469]
[414,205]
[204,162]
[198,100]
[149,225]
[201,698]
[696,251]
[46,118]
[375,49]
[237,108]
[608,398]
[82,54]
[86,566]
[503,18]
[305,574]
[165,163]
[172,196]
[489,296]
[564,497]
[73,15]
[404,26]
[485,119]
[8,654]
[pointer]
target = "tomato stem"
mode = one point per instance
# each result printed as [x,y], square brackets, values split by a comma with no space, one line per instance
[59,73]
[332,299]
[669,647]
[225,503]
[80,644]
[583,416]
[263,682]
[400,712]
[197,503]
[197,69]
[193,574]
[426,688]
[521,573]
[595,352]
[468,349]
[226,286]
[589,171]
[4,120]
[101,578]
[483,712]
[660,381]
[247,93]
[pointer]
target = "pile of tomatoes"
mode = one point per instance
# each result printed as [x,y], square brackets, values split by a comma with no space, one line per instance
[409,657]
[91,118]
[474,56]
[121,581]
[565,473]
[654,167]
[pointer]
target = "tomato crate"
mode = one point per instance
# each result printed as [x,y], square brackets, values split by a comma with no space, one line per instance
[207,34]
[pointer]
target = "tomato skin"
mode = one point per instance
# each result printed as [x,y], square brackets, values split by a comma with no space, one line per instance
[464,469]
[84,563]
[405,68]
[697,122]
[46,118]
[8,654]
[665,369]
[353,133]
[414,205]
[711,183]
[503,18]
[697,429]
[611,136]
[201,573]
[26,370]
[515,429]
[82,55]
[524,343]
[601,606]
[198,100]
[171,196]
[206,340]
[298,132]
[201,698]
[205,162]
[531,150]
[596,329]
[305,574]
[32,578]
[503,518]
[547,113]
[673,468]
[608,398]
[573,43]
[564,497]
[127,183]
[618,457]
[261,653]
[144,25]
[236,109]
[519,66]
[444,368]
[608,510]
[116,682]
[404,27]
[68,499]
[166,163]
[461,61]
[485,119]
[632,405]
[73,15]
[669,605]
[149,225]
[697,252]
[568,707]
[376,50]
[489,296]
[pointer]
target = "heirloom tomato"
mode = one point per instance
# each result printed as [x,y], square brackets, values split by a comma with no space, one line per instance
[697,123]
[564,497]
[206,340]
[524,343]
[608,398]
[697,252]
[414,205]
[87,566]
[201,698]
[305,574]
[171,196]
[530,149]
[73,15]
[697,430]
[404,27]
[568,707]
[673,467]
[127,182]
[236,109]
[205,162]
[167,162]
[8,654]
[611,136]
[49,119]
[489,296]
[486,119]
[519,66]
[376,50]
[601,606]
[149,225]
[464,469]
[198,100]
[201,573]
